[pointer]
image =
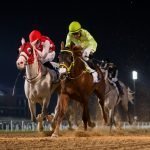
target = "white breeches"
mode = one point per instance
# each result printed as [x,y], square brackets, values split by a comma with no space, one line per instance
[50,57]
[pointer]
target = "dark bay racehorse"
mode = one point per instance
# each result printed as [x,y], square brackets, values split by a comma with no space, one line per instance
[77,84]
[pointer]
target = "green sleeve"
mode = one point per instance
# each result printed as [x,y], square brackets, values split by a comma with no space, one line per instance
[68,40]
[91,41]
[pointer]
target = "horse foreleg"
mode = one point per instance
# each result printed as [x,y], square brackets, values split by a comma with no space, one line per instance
[101,103]
[32,109]
[111,118]
[86,116]
[45,105]
[60,111]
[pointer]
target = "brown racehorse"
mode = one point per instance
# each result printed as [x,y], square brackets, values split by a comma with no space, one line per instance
[77,84]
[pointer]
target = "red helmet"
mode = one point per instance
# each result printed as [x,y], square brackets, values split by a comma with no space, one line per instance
[34,35]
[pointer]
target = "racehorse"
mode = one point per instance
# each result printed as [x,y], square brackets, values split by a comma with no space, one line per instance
[77,84]
[38,84]
[113,100]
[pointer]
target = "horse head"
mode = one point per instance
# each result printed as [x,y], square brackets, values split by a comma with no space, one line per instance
[26,55]
[67,58]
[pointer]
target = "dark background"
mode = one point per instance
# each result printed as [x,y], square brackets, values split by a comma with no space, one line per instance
[121,29]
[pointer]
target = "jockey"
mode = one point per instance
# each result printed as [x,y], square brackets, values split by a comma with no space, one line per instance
[112,75]
[81,37]
[45,49]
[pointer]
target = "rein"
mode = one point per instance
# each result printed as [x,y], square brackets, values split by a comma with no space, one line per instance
[84,71]
[38,75]
[72,65]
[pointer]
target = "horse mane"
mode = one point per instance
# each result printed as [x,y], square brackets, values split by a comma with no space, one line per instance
[77,50]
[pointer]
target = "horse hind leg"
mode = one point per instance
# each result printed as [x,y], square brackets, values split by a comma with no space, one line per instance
[90,123]
[40,122]
[127,113]
[101,100]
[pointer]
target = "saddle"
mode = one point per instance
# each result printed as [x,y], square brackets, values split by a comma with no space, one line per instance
[53,69]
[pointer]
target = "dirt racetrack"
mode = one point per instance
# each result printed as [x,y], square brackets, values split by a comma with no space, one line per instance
[76,140]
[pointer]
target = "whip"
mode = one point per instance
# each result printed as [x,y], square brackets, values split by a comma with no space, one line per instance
[13,92]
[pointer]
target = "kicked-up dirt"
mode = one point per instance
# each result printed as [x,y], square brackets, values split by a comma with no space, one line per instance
[77,140]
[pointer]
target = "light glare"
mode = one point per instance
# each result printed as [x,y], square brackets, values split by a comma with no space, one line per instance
[134,75]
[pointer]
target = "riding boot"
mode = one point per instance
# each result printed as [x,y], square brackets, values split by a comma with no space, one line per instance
[119,88]
[93,66]
[50,66]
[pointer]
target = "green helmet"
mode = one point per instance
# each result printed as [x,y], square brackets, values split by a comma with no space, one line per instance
[74,27]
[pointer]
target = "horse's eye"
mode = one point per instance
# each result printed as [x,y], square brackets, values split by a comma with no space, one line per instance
[29,50]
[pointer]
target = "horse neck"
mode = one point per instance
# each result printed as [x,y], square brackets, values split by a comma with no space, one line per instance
[32,70]
[78,67]
[35,69]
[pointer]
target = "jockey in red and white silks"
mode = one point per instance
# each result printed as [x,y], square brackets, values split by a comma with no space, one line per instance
[45,48]
[43,45]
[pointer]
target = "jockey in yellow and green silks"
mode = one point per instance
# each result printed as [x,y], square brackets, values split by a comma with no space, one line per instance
[81,37]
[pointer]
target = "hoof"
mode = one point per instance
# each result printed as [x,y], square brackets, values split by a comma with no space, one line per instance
[39,118]
[33,120]
[40,130]
[92,124]
[49,118]
[54,135]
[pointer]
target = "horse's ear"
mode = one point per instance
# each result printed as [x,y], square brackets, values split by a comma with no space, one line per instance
[62,45]
[72,45]
[22,41]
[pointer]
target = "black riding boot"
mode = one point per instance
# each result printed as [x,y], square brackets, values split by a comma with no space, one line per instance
[50,66]
[91,64]
[119,88]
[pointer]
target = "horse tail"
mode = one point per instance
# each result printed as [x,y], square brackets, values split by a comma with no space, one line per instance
[130,95]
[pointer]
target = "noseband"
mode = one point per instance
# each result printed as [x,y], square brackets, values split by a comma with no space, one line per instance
[72,65]
[64,65]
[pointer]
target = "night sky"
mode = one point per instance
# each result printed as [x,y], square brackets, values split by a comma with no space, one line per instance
[121,29]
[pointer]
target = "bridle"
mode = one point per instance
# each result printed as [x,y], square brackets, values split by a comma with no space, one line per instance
[39,73]
[71,65]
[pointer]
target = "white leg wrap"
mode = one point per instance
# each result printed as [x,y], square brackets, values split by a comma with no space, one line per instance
[95,77]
